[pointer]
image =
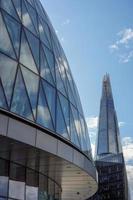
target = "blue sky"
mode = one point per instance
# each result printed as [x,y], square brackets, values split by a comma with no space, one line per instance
[97,37]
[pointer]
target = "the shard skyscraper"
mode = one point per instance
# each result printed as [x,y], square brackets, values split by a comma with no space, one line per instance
[109,159]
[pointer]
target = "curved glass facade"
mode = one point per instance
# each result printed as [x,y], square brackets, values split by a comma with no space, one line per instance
[18,182]
[35,79]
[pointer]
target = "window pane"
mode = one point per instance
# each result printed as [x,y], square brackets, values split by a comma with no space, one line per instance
[25,54]
[3,185]
[3,103]
[44,68]
[60,123]
[31,193]
[50,95]
[16,189]
[5,43]
[7,74]
[14,31]
[43,114]
[26,19]
[8,6]
[20,103]
[32,89]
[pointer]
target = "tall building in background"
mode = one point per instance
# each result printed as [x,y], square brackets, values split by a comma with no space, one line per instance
[45,150]
[109,157]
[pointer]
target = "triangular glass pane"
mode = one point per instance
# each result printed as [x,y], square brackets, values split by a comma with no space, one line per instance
[31,2]
[50,96]
[17,4]
[26,19]
[43,114]
[44,68]
[5,43]
[50,60]
[74,136]
[20,102]
[70,94]
[9,7]
[14,30]
[3,103]
[7,74]
[31,82]
[25,54]
[59,82]
[34,45]
[42,32]
[32,14]
[60,123]
[66,110]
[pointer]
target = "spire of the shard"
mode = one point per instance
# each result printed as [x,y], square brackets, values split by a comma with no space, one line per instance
[108,139]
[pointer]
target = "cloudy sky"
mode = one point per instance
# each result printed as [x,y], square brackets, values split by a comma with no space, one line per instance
[97,37]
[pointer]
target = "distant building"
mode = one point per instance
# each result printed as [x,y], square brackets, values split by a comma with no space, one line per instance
[109,157]
[45,152]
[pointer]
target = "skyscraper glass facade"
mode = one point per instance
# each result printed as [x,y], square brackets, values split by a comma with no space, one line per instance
[109,162]
[35,79]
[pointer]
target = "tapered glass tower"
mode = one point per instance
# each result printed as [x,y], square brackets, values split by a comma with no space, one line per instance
[109,157]
[45,151]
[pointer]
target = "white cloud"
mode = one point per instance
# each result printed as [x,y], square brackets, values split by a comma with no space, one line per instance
[125,58]
[121,124]
[123,46]
[66,22]
[126,36]
[113,47]
[92,122]
[127,143]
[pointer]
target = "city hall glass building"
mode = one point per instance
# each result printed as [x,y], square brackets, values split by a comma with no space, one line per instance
[112,184]
[45,149]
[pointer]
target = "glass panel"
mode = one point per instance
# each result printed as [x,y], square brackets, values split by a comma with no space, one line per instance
[3,103]
[43,114]
[9,7]
[7,74]
[20,102]
[26,19]
[65,108]
[42,32]
[50,96]
[34,45]
[59,82]
[17,4]
[45,71]
[51,189]
[17,172]
[32,14]
[70,94]
[32,178]
[5,43]
[16,189]
[32,89]
[31,193]
[3,185]
[50,60]
[14,31]
[25,54]
[74,136]
[60,123]
[79,128]
[43,187]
